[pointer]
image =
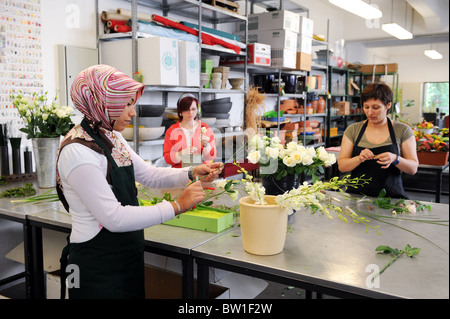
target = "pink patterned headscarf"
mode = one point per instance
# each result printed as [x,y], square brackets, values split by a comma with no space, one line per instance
[102,92]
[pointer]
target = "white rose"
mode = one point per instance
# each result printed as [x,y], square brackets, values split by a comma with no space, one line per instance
[296,156]
[272,152]
[45,116]
[254,157]
[275,140]
[289,161]
[307,159]
[291,146]
[331,159]
[61,113]
[257,142]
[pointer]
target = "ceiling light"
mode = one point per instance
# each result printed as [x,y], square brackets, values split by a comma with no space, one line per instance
[433,54]
[359,8]
[397,31]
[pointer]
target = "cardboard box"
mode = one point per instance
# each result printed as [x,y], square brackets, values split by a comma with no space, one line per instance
[53,285]
[275,38]
[303,61]
[189,54]
[117,54]
[304,44]
[158,61]
[257,54]
[343,107]
[283,58]
[164,284]
[306,26]
[379,68]
[282,19]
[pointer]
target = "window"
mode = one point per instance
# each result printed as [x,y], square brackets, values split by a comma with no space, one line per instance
[435,96]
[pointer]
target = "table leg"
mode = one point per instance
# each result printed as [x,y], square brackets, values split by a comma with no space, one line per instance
[202,281]
[438,186]
[38,263]
[27,243]
[188,278]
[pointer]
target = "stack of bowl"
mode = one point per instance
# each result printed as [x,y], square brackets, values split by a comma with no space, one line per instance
[218,109]
[149,121]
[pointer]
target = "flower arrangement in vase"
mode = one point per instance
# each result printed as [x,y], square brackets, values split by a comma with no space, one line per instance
[426,127]
[283,164]
[41,118]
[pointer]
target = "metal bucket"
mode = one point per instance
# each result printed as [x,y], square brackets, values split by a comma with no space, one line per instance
[45,151]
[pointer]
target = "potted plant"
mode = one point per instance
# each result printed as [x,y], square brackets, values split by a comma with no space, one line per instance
[263,218]
[44,124]
[432,149]
[281,165]
[426,127]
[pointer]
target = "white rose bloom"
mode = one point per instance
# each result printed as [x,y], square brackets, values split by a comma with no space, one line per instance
[257,142]
[330,160]
[45,116]
[254,157]
[61,113]
[291,146]
[307,159]
[289,161]
[296,156]
[275,140]
[272,152]
[411,208]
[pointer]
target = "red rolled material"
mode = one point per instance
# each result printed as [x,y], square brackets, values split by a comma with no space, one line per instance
[206,38]
[112,23]
[122,28]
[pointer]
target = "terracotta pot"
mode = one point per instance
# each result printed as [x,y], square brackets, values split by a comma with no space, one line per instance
[263,227]
[432,158]
[321,106]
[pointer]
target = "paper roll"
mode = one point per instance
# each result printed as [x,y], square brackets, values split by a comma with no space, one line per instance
[140,15]
[106,16]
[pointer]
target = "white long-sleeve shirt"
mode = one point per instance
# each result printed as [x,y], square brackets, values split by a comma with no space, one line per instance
[92,202]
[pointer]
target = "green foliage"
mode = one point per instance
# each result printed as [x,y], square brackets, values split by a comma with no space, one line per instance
[410,252]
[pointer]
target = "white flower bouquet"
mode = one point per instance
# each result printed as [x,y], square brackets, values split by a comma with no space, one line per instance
[42,119]
[278,160]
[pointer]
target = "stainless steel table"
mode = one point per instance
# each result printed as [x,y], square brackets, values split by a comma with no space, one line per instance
[19,212]
[170,241]
[334,258]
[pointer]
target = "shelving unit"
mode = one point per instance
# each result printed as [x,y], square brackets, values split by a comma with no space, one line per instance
[186,8]
[339,81]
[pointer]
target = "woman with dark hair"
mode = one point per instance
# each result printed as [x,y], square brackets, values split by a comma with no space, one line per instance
[378,148]
[189,140]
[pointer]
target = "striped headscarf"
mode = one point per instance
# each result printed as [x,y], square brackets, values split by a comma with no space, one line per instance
[102,92]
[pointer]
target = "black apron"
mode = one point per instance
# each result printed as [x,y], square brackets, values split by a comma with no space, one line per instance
[388,178]
[111,265]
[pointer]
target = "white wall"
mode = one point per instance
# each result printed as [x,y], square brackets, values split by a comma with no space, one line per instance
[60,27]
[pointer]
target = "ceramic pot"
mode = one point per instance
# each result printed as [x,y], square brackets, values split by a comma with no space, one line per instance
[263,227]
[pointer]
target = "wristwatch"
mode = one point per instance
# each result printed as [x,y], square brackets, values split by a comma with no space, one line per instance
[396,161]
[191,173]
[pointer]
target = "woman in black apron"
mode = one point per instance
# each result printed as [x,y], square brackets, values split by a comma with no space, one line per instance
[110,264]
[382,164]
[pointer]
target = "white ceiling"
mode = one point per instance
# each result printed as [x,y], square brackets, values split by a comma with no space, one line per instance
[428,20]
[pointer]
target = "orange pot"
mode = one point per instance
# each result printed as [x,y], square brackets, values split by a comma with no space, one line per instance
[432,158]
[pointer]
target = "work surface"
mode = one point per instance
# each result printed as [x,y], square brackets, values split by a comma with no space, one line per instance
[339,258]
[329,255]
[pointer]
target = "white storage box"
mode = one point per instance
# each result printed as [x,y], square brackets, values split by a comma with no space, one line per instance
[158,61]
[306,26]
[275,38]
[304,44]
[117,54]
[189,55]
[283,58]
[283,19]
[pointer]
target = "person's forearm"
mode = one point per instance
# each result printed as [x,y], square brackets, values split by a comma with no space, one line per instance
[407,166]
[349,164]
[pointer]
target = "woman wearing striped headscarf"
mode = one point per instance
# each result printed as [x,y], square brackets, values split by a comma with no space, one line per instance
[96,174]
